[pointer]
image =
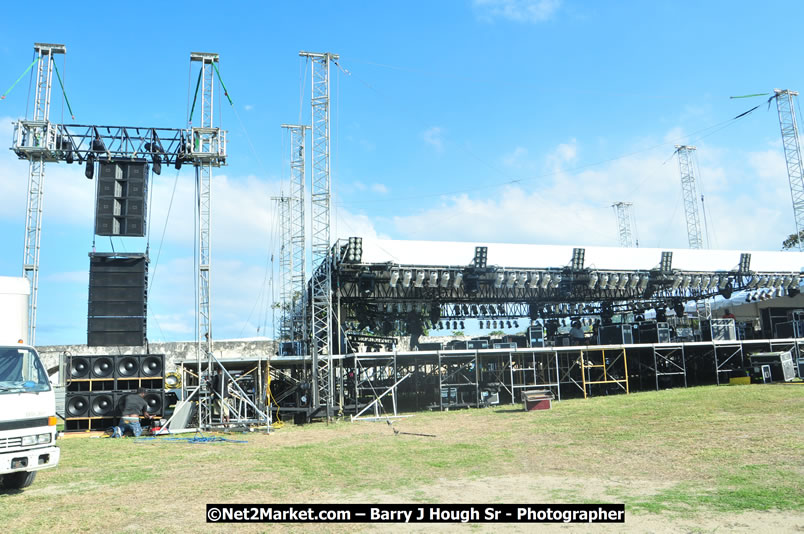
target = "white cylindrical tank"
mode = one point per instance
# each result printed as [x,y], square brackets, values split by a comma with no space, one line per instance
[14,295]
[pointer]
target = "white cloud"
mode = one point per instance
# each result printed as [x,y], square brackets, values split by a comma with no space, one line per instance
[379,188]
[532,11]
[564,206]
[434,136]
[248,107]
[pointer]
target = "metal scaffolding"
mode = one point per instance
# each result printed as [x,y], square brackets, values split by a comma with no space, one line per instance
[687,168]
[785,105]
[205,140]
[294,286]
[43,136]
[625,224]
[321,305]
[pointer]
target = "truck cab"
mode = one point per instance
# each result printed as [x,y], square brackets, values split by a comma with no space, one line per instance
[27,417]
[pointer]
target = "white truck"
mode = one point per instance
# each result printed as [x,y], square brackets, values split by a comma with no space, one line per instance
[27,400]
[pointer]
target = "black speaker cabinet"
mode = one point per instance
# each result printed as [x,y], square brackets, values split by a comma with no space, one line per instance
[156,402]
[78,367]
[102,404]
[126,366]
[76,404]
[152,365]
[102,366]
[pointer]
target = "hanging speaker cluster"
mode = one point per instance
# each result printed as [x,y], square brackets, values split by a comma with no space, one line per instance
[97,386]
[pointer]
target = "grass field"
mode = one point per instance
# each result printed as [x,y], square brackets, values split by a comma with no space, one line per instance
[684,460]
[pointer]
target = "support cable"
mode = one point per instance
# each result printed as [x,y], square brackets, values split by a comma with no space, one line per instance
[3,96]
[63,92]
[195,97]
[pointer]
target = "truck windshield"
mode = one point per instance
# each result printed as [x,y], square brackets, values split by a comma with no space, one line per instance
[21,370]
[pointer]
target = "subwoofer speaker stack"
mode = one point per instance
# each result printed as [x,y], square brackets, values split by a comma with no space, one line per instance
[97,385]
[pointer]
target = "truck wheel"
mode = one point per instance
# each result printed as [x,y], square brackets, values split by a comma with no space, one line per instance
[18,480]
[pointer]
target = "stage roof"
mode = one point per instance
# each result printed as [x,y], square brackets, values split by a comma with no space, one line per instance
[451,253]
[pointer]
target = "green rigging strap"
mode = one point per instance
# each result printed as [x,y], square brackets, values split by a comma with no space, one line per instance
[195,97]
[225,91]
[18,79]
[69,107]
[750,96]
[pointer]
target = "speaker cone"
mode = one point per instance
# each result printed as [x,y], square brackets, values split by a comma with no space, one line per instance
[79,367]
[152,366]
[102,405]
[77,406]
[154,401]
[102,367]
[127,366]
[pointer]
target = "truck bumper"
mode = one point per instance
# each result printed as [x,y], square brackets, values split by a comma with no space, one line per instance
[29,460]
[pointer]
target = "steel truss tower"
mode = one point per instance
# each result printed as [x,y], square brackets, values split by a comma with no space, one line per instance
[689,190]
[293,239]
[205,141]
[283,204]
[785,105]
[42,135]
[321,305]
[625,220]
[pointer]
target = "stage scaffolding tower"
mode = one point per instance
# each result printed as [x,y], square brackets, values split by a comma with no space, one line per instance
[321,280]
[204,139]
[43,136]
[689,189]
[283,204]
[785,105]
[625,223]
[294,239]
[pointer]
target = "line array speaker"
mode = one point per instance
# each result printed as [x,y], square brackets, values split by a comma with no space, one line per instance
[120,207]
[117,300]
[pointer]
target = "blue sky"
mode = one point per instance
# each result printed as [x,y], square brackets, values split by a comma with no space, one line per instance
[493,120]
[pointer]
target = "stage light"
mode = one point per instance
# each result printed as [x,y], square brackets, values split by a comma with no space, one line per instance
[516,324]
[481,325]
[696,281]
[482,310]
[409,307]
[677,279]
[777,282]
[354,250]
[457,309]
[445,279]
[488,324]
[604,281]
[748,297]
[592,281]
[495,324]
[745,263]
[555,281]
[439,325]
[765,281]
[508,324]
[456,282]
[614,279]
[433,281]
[498,280]
[534,281]
[462,326]
[632,283]
[465,309]
[406,276]
[156,165]
[686,282]
[510,280]
[705,282]
[793,282]
[666,264]
[623,281]
[419,279]
[578,255]
[394,277]
[545,280]
[753,283]
[713,282]
[399,308]
[474,309]
[643,282]
[97,144]
[481,257]
[521,280]
[89,171]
